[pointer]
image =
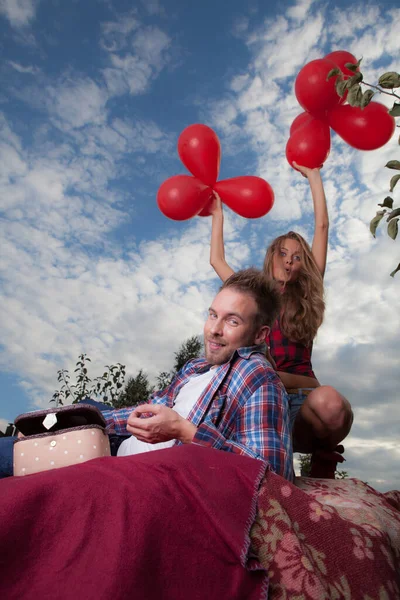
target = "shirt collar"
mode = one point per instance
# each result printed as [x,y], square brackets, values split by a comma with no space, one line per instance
[245,352]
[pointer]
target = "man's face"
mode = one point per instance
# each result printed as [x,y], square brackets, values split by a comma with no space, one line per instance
[230,325]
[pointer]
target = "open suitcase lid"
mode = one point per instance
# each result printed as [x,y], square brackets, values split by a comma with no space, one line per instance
[65,417]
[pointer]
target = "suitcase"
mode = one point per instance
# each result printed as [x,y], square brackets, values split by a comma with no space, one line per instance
[59,437]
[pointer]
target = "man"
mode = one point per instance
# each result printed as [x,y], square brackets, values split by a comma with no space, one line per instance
[230,400]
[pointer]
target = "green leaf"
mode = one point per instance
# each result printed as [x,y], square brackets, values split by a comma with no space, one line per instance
[367,97]
[354,96]
[333,72]
[353,67]
[393,229]
[356,78]
[395,110]
[387,203]
[393,273]
[389,80]
[393,214]
[375,221]
[341,87]
[393,164]
[393,182]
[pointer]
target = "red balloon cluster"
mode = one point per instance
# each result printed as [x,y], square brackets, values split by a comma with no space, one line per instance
[309,142]
[183,196]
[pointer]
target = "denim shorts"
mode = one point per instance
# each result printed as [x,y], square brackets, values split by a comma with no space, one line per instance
[296,399]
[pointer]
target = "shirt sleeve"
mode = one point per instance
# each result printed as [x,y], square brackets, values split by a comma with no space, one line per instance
[261,430]
[116,420]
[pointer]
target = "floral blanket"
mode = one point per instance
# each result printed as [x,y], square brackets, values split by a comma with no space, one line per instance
[326,539]
[174,524]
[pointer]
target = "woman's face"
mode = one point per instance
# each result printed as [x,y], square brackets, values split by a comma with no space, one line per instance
[287,261]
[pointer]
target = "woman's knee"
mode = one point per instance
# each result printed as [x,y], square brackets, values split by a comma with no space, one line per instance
[330,406]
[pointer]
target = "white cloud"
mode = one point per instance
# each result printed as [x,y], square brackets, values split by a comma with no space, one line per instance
[300,10]
[137,56]
[19,12]
[280,49]
[3,425]
[152,310]
[153,7]
[31,70]
[75,103]
[115,33]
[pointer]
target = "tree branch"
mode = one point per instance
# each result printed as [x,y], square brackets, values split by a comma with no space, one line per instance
[376,87]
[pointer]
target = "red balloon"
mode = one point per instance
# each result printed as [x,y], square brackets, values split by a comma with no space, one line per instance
[200,151]
[366,129]
[182,197]
[300,120]
[340,58]
[248,196]
[310,144]
[206,210]
[313,91]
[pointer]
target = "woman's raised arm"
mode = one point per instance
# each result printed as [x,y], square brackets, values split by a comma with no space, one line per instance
[217,251]
[321,219]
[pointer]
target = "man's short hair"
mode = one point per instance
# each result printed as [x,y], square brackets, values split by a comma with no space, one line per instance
[262,288]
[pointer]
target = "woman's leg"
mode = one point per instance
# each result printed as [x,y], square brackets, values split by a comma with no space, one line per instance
[323,421]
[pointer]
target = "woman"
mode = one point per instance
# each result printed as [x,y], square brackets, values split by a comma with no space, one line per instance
[320,416]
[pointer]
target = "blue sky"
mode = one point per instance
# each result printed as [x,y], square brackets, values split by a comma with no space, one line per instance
[93,98]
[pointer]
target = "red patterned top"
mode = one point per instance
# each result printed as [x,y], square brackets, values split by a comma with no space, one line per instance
[290,357]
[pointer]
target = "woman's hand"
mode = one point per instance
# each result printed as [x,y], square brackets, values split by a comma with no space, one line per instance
[306,171]
[216,205]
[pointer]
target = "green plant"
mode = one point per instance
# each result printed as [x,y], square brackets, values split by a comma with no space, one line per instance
[137,390]
[305,467]
[109,387]
[105,388]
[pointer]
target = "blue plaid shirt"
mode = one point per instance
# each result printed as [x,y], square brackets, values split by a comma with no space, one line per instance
[244,409]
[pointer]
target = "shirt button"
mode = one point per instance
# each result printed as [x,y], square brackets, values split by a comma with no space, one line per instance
[53,443]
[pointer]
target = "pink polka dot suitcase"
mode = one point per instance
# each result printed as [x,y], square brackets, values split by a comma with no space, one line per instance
[59,437]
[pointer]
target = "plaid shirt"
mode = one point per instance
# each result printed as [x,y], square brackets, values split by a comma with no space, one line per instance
[244,409]
[290,356]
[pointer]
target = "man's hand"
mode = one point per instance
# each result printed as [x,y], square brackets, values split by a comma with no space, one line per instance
[163,425]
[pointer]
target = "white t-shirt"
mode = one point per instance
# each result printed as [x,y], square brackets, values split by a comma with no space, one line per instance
[184,402]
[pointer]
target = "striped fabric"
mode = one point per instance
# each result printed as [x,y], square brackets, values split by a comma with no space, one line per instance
[244,409]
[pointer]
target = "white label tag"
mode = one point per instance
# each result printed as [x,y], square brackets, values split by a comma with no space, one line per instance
[50,420]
